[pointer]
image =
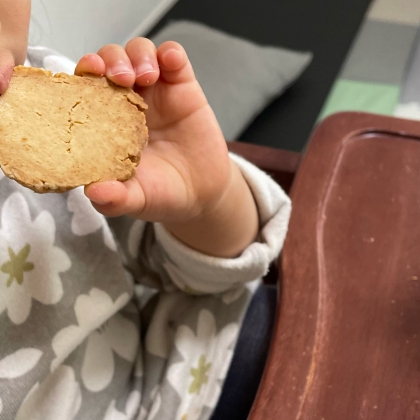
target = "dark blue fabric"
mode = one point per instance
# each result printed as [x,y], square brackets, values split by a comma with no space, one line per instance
[249,358]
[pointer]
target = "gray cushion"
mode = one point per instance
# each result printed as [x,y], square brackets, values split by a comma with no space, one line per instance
[238,77]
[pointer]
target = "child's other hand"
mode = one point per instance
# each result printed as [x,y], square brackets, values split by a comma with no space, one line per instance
[14,25]
[7,62]
[185,168]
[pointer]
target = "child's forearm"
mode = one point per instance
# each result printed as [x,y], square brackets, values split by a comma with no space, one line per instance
[14,19]
[14,28]
[227,228]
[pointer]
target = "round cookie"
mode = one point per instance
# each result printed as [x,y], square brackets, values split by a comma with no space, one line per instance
[60,132]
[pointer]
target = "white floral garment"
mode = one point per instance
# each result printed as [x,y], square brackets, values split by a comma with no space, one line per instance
[130,325]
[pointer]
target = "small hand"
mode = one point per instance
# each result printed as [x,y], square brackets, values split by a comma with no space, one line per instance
[185,168]
[185,178]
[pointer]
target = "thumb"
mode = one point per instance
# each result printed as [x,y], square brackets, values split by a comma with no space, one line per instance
[114,198]
[7,63]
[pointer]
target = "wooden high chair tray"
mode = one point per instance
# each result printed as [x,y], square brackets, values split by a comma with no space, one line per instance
[347,338]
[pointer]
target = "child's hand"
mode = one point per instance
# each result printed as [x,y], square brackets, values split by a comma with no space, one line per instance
[185,166]
[7,62]
[185,178]
[14,25]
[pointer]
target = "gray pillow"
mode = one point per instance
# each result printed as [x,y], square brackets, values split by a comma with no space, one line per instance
[238,77]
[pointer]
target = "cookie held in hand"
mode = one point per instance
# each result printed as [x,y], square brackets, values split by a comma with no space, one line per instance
[60,132]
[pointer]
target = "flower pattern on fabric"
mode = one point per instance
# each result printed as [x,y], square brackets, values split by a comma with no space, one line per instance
[17,265]
[131,408]
[138,369]
[200,375]
[58,397]
[233,295]
[134,237]
[19,363]
[160,342]
[106,332]
[117,335]
[30,264]
[150,413]
[86,219]
[157,403]
[195,378]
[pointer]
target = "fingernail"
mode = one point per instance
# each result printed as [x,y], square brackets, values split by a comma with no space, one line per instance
[144,68]
[119,68]
[100,202]
[172,51]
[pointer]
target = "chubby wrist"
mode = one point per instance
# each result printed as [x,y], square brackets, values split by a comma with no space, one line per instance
[225,226]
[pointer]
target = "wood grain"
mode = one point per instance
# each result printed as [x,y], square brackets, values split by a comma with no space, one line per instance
[347,338]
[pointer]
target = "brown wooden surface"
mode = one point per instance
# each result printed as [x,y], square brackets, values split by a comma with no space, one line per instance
[347,339]
[282,165]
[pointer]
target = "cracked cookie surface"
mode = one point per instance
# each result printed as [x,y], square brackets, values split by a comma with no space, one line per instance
[60,132]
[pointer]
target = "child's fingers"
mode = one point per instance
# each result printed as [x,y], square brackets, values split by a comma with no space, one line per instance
[142,54]
[114,198]
[174,64]
[118,66]
[90,64]
[7,63]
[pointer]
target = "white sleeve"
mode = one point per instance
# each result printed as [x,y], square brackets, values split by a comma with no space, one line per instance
[196,272]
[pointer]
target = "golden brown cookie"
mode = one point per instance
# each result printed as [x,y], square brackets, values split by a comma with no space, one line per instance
[59,132]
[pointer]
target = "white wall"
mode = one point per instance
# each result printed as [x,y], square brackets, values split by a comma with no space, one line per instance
[76,27]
